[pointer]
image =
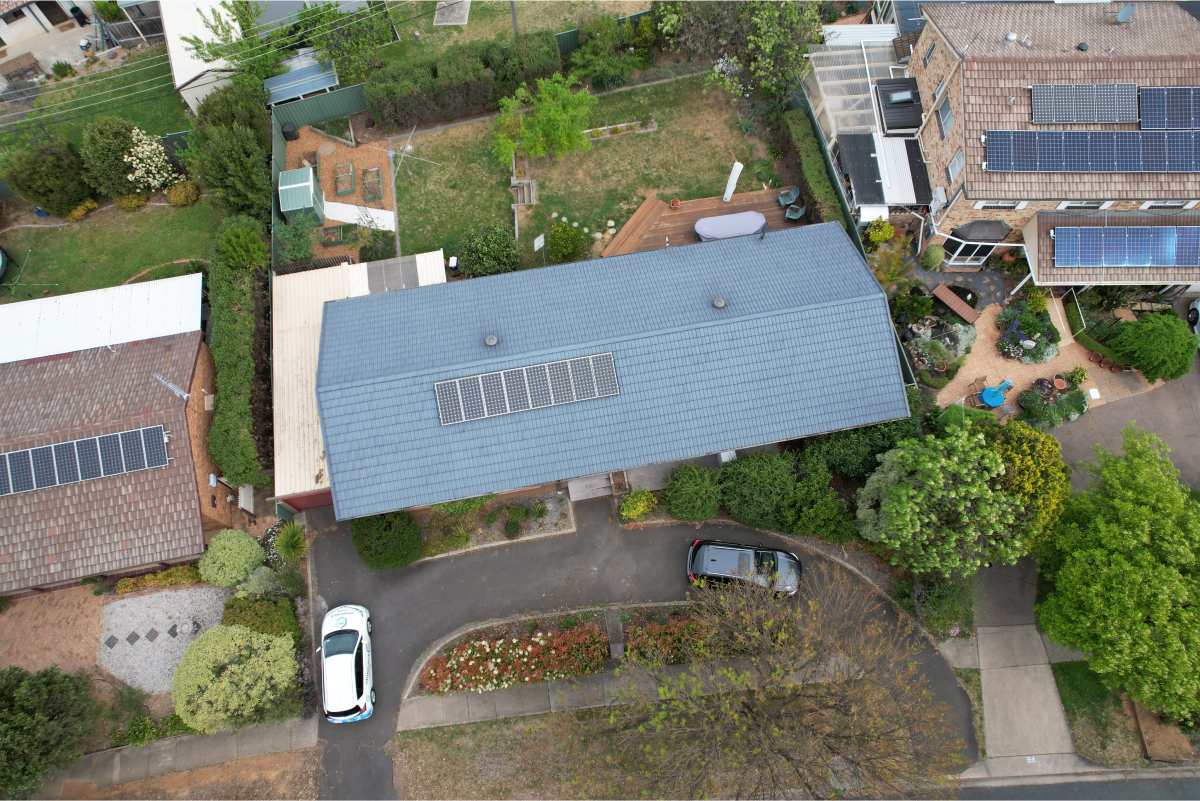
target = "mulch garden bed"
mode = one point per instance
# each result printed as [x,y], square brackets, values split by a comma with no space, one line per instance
[445,533]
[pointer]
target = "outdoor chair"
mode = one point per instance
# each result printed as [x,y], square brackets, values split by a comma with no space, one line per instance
[976,401]
[795,213]
[978,384]
[789,197]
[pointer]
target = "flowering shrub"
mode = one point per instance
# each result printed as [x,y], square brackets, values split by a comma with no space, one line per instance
[485,665]
[666,643]
[1027,320]
[148,159]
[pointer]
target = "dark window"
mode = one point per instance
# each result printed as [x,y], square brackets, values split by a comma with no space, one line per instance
[359,671]
[764,563]
[340,642]
[929,53]
[13,16]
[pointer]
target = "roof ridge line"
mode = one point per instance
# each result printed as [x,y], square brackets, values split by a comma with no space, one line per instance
[597,343]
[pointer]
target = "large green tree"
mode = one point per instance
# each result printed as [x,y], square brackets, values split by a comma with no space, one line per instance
[1034,472]
[1126,578]
[106,143]
[934,502]
[44,718]
[1160,345]
[238,38]
[240,103]
[554,125]
[49,175]
[233,166]
[347,38]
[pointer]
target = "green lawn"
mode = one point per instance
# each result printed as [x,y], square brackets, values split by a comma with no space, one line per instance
[688,157]
[1099,726]
[108,247]
[66,111]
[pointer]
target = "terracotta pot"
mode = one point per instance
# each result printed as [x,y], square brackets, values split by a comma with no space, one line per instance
[1059,384]
[1007,256]
[674,202]
[939,368]
[1106,362]
[1095,356]
[1118,367]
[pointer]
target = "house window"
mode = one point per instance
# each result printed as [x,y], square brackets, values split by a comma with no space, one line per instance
[945,117]
[938,93]
[13,16]
[1168,204]
[955,167]
[929,53]
[1001,204]
[1084,204]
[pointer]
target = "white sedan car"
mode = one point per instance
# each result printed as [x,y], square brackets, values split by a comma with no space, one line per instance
[348,682]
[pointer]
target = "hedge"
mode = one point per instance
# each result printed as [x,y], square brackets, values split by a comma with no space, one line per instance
[230,290]
[821,197]
[461,80]
[387,540]
[182,574]
[1083,339]
[276,617]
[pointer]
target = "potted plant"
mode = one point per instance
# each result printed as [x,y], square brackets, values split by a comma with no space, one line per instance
[674,202]
[939,368]
[1118,367]
[1106,362]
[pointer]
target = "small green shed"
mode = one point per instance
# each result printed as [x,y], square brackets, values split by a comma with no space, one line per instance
[300,192]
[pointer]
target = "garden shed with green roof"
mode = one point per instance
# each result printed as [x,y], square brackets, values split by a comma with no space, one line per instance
[299,192]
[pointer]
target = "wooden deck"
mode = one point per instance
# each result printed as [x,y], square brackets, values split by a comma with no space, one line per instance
[655,221]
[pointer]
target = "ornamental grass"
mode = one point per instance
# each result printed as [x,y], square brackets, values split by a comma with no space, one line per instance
[486,665]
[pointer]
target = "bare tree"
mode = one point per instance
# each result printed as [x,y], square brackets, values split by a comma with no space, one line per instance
[815,697]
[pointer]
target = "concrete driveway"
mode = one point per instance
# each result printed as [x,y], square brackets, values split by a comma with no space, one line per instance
[1172,412]
[413,606]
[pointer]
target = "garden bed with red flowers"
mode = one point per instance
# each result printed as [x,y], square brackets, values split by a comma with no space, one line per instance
[662,635]
[483,664]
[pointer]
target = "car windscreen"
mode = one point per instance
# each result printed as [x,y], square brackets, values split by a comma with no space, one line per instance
[340,642]
[765,563]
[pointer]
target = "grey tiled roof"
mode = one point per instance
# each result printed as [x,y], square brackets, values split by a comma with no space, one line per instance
[804,346]
[112,523]
[1160,48]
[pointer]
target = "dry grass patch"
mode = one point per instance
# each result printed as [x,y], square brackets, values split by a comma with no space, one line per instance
[1102,725]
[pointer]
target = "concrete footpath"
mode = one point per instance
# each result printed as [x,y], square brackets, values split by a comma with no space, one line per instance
[1025,726]
[186,752]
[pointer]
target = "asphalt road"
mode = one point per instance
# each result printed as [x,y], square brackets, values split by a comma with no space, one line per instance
[412,607]
[1133,789]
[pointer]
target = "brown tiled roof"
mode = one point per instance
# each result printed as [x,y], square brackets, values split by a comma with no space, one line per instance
[1044,271]
[111,523]
[1160,48]
[905,44]
[956,304]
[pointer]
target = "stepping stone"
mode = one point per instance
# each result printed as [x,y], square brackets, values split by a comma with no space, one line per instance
[173,631]
[152,635]
[132,638]
[111,641]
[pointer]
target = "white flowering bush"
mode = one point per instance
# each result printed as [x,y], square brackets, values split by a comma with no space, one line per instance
[148,160]
[486,665]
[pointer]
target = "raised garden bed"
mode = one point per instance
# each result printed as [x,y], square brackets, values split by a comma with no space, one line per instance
[445,532]
[334,235]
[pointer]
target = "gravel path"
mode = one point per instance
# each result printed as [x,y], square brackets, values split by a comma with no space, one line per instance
[143,639]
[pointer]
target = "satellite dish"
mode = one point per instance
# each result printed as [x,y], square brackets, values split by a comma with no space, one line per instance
[1125,14]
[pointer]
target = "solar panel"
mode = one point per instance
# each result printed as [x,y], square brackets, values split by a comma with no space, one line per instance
[89,459]
[1187,246]
[1152,105]
[1064,103]
[999,151]
[472,397]
[539,386]
[131,449]
[1092,151]
[1084,103]
[156,446]
[1162,247]
[64,460]
[606,375]
[1043,104]
[582,379]
[1066,247]
[560,382]
[43,467]
[1127,103]
[20,471]
[1179,107]
[1138,251]
[517,390]
[1114,247]
[1106,102]
[110,454]
[5,489]
[493,394]
[524,388]
[1091,247]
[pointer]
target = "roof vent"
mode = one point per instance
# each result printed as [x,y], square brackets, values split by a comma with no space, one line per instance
[718,303]
[491,340]
[1010,39]
[1081,46]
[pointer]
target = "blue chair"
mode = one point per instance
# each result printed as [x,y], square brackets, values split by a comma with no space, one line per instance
[789,197]
[795,213]
[1005,386]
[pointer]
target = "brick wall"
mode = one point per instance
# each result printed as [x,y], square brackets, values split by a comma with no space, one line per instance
[938,151]
[215,510]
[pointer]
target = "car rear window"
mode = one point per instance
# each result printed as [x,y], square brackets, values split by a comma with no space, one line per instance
[358,671]
[340,642]
[346,714]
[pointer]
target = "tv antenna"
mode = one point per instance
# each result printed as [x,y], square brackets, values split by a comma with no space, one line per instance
[14,285]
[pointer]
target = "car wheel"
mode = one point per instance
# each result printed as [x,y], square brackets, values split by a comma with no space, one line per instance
[372,696]
[368,625]
[1193,316]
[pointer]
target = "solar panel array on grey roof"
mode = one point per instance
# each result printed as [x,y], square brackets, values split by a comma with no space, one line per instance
[510,391]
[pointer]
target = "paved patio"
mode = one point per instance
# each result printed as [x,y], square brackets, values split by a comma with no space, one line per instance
[54,628]
[985,360]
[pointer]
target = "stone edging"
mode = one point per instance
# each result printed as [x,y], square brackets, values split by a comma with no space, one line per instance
[429,652]
[573,528]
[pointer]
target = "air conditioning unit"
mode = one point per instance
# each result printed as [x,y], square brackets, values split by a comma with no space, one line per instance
[939,199]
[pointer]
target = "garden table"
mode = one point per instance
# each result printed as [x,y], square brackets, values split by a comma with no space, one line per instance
[992,396]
